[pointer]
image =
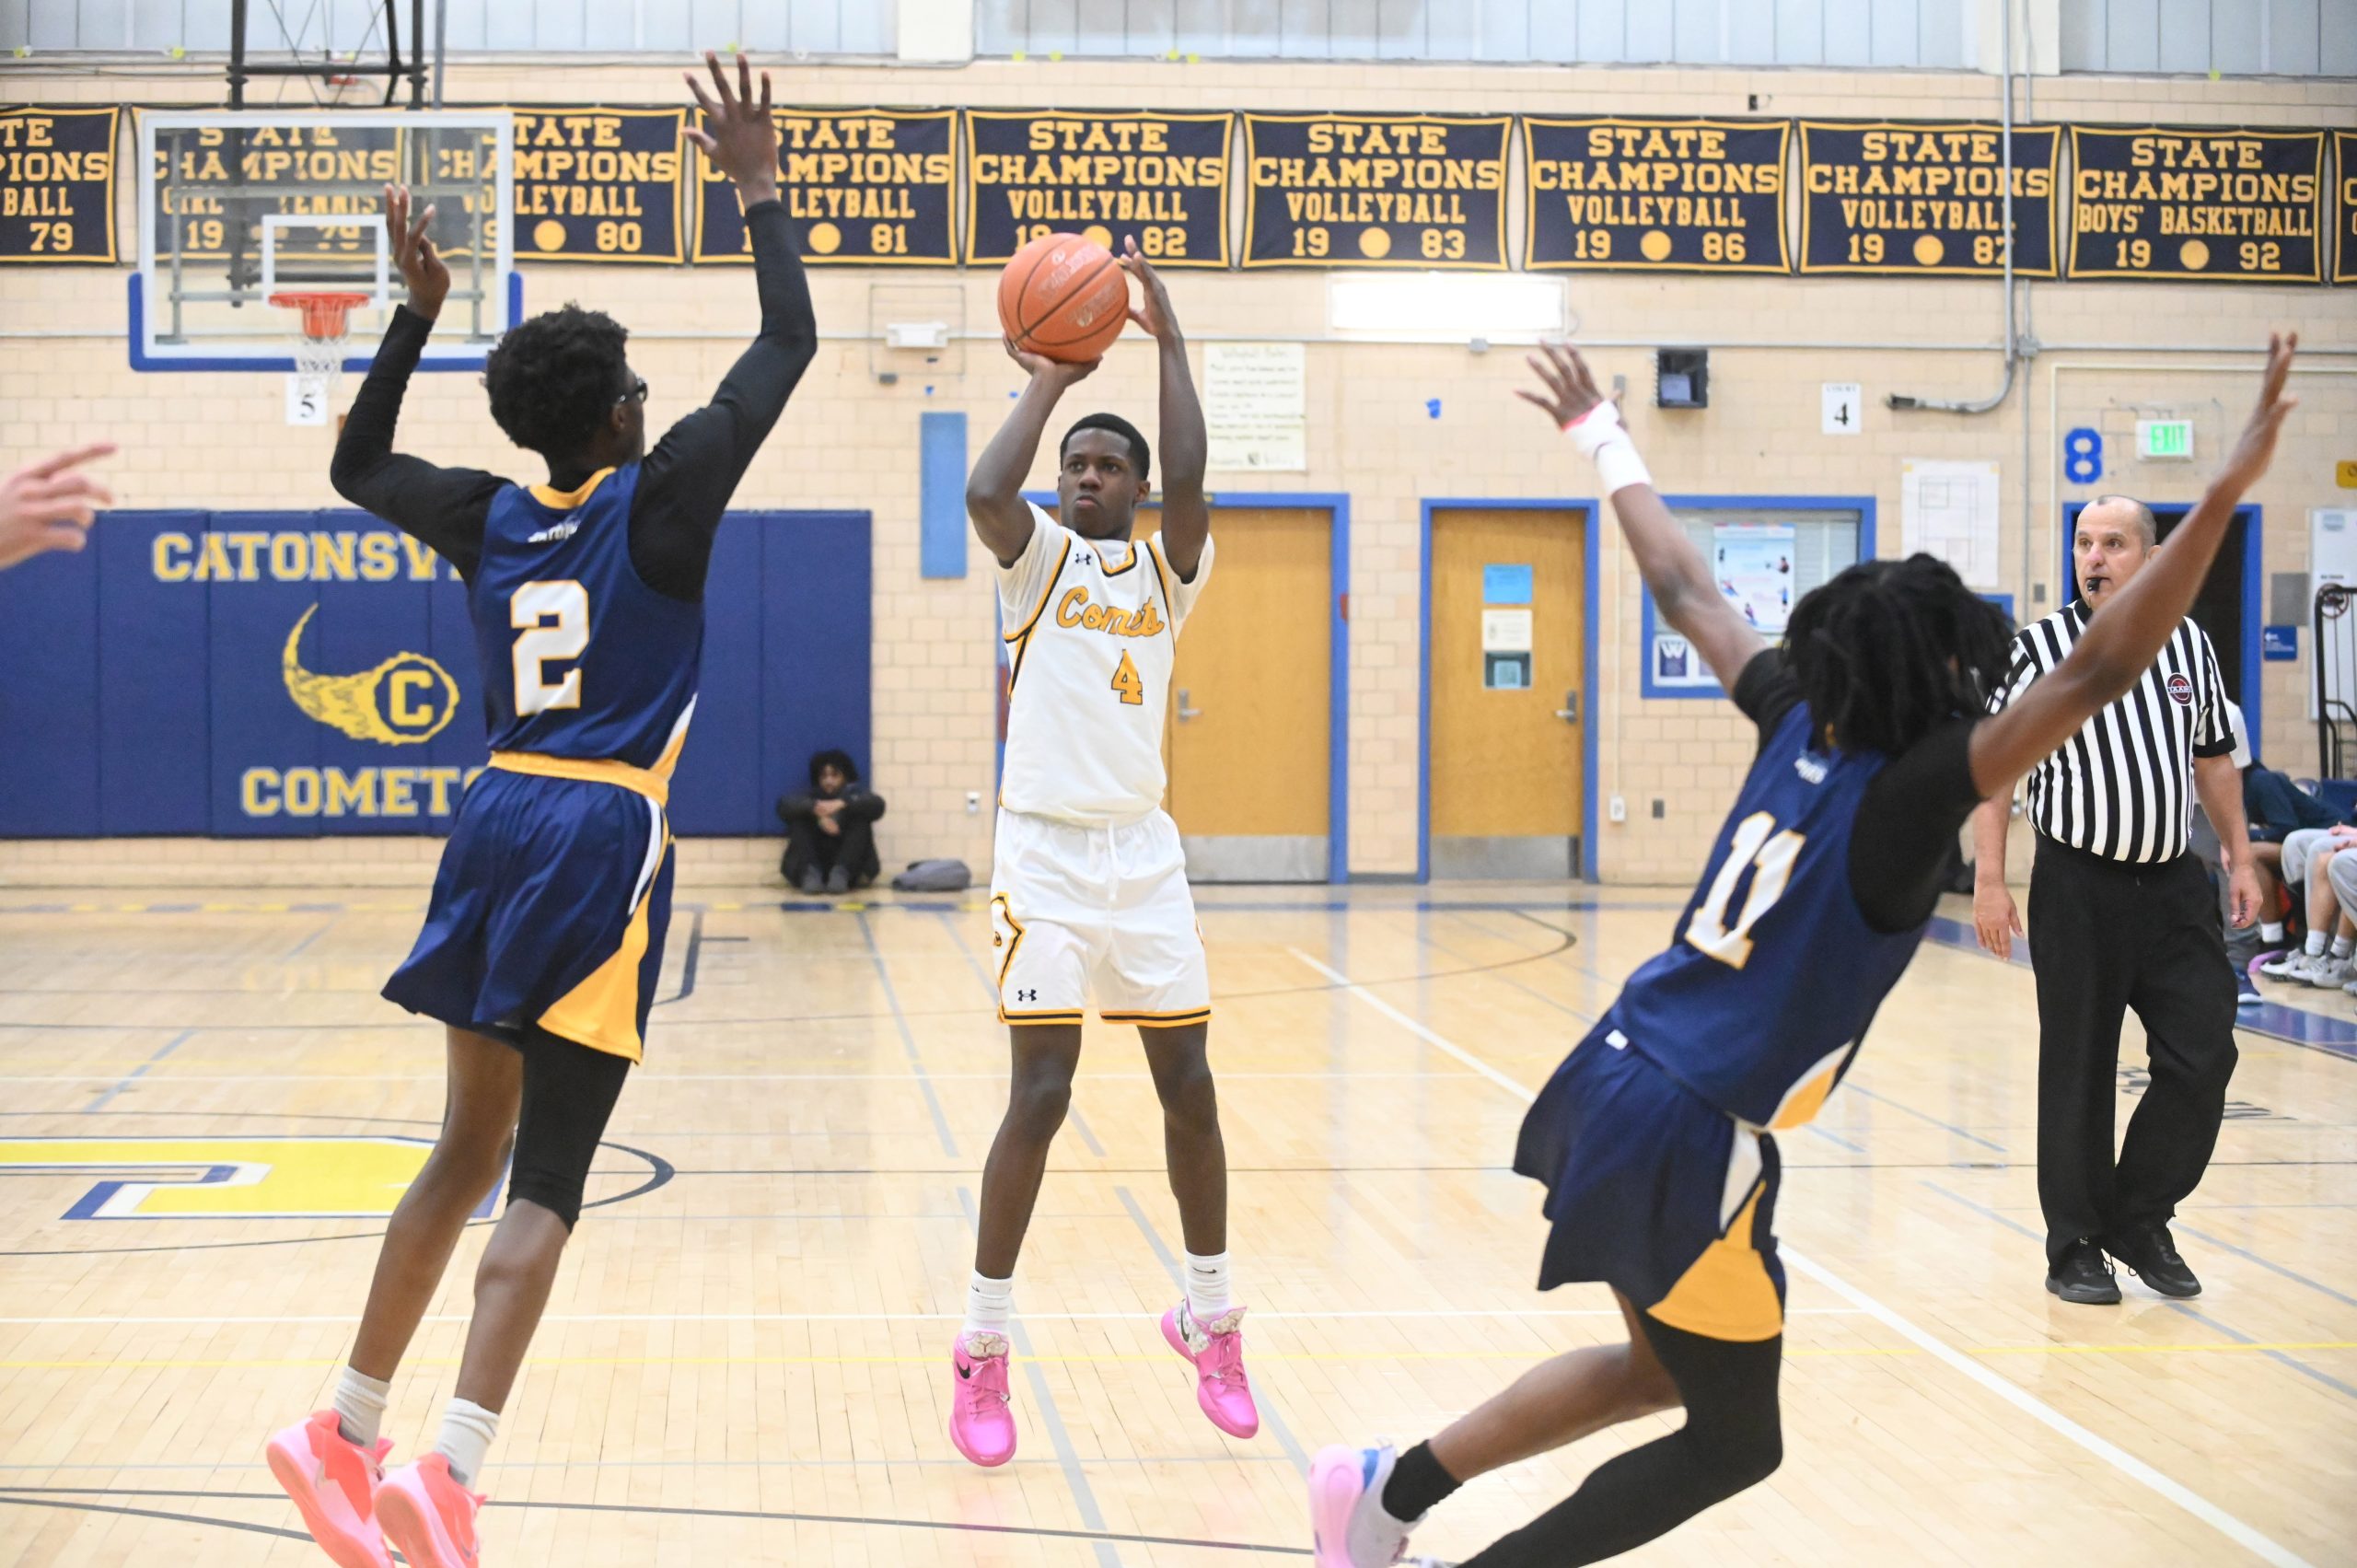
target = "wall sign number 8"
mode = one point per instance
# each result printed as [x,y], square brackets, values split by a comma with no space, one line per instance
[2083,456]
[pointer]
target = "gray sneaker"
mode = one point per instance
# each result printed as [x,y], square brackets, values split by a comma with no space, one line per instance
[2328,973]
[2283,966]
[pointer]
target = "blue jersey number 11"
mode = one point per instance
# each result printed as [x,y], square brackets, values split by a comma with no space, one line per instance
[1752,846]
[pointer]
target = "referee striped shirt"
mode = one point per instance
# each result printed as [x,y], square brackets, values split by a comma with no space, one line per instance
[2122,787]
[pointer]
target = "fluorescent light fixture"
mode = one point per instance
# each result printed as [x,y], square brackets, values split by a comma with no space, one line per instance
[1447,306]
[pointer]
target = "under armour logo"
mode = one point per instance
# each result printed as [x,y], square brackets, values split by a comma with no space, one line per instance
[1026,996]
[1084,560]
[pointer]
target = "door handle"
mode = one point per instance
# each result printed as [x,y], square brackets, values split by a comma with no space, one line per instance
[1570,712]
[1184,711]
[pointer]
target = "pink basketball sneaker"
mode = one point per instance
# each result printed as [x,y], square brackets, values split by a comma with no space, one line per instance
[1216,1351]
[1348,1526]
[981,1422]
[429,1515]
[333,1482]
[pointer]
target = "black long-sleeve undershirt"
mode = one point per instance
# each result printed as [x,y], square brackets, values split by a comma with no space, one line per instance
[684,484]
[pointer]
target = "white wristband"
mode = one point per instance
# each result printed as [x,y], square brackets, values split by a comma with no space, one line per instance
[1600,437]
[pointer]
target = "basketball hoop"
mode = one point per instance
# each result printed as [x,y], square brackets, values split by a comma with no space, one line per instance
[325,330]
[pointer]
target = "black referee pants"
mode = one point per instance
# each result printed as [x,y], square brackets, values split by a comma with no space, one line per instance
[2106,936]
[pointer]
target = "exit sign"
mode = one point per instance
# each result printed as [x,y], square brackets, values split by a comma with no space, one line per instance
[2165,438]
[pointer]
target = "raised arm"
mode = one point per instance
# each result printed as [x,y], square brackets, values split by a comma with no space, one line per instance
[1683,587]
[2121,642]
[1185,445]
[994,491]
[686,481]
[443,507]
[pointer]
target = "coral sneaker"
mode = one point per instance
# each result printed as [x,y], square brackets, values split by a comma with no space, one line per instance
[428,1516]
[1216,1351]
[1349,1527]
[982,1421]
[333,1482]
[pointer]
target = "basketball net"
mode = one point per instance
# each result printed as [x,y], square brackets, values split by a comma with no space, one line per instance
[324,327]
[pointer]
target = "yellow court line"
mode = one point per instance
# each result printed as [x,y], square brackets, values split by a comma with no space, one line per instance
[205,1364]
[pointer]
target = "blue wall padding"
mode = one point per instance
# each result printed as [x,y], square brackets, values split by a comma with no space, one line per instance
[941,497]
[153,698]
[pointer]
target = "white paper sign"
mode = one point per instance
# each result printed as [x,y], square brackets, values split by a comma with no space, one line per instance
[1505,631]
[1843,402]
[1951,510]
[305,406]
[1256,399]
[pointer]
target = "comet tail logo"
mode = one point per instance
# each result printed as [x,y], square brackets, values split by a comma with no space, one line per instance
[405,701]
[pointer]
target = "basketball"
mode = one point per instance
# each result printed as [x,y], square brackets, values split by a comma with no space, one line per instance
[1065,296]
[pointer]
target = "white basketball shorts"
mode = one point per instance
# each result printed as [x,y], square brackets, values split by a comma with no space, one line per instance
[1103,911]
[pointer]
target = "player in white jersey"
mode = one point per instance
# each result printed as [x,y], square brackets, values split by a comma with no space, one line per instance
[1088,886]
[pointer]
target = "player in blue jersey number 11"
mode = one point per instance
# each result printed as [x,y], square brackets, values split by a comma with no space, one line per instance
[1655,1137]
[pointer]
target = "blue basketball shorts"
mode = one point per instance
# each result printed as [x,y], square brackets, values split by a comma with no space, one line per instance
[1657,1193]
[549,909]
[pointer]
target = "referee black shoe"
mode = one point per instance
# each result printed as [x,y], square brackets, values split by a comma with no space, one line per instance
[2152,1257]
[2082,1276]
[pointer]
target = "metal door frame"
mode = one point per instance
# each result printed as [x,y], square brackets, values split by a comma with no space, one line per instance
[1591,568]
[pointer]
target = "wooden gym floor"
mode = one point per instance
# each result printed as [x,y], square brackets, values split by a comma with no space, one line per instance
[743,1357]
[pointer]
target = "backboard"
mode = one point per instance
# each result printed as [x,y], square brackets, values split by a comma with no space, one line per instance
[236,205]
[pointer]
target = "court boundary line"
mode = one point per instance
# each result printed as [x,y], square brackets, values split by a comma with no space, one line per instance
[2234,1529]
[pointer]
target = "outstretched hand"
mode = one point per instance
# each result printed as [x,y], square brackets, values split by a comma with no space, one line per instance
[737,134]
[1153,313]
[2255,449]
[47,506]
[1570,386]
[415,257]
[1039,368]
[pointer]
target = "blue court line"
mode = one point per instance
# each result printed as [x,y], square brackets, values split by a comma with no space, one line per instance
[136,1072]
[2302,1367]
[2272,1267]
[1071,1114]
[1439,946]
[1083,1495]
[2293,1025]
[909,1040]
[1285,1439]
[1857,1088]
[296,951]
[2203,1319]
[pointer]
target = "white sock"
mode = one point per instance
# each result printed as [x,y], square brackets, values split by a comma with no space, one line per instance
[2315,946]
[987,1304]
[1207,1285]
[2270,931]
[2341,947]
[360,1407]
[467,1432]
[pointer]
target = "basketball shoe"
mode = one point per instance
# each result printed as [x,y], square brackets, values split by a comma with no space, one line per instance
[333,1481]
[1215,1349]
[982,1421]
[1348,1526]
[429,1515]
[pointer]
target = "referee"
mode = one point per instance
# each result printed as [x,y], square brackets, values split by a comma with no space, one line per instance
[2123,916]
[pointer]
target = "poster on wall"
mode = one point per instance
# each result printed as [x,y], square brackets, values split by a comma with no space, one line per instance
[861,188]
[1951,509]
[1636,194]
[1926,198]
[2196,204]
[2344,207]
[1754,565]
[1425,191]
[57,169]
[596,184]
[1256,406]
[1159,178]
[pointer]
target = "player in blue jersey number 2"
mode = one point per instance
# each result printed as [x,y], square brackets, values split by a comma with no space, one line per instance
[1655,1138]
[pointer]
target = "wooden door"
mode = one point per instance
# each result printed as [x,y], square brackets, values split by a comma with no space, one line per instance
[1249,710]
[1506,759]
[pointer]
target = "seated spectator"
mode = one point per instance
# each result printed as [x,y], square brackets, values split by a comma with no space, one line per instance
[830,832]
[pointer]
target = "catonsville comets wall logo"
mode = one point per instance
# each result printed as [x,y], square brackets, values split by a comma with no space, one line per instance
[405,701]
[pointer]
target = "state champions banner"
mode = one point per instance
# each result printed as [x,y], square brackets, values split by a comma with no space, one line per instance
[2196,203]
[1927,198]
[2344,163]
[596,184]
[57,173]
[1425,191]
[1622,193]
[861,186]
[1161,178]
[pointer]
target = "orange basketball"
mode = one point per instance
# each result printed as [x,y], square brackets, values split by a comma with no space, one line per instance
[1065,296]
